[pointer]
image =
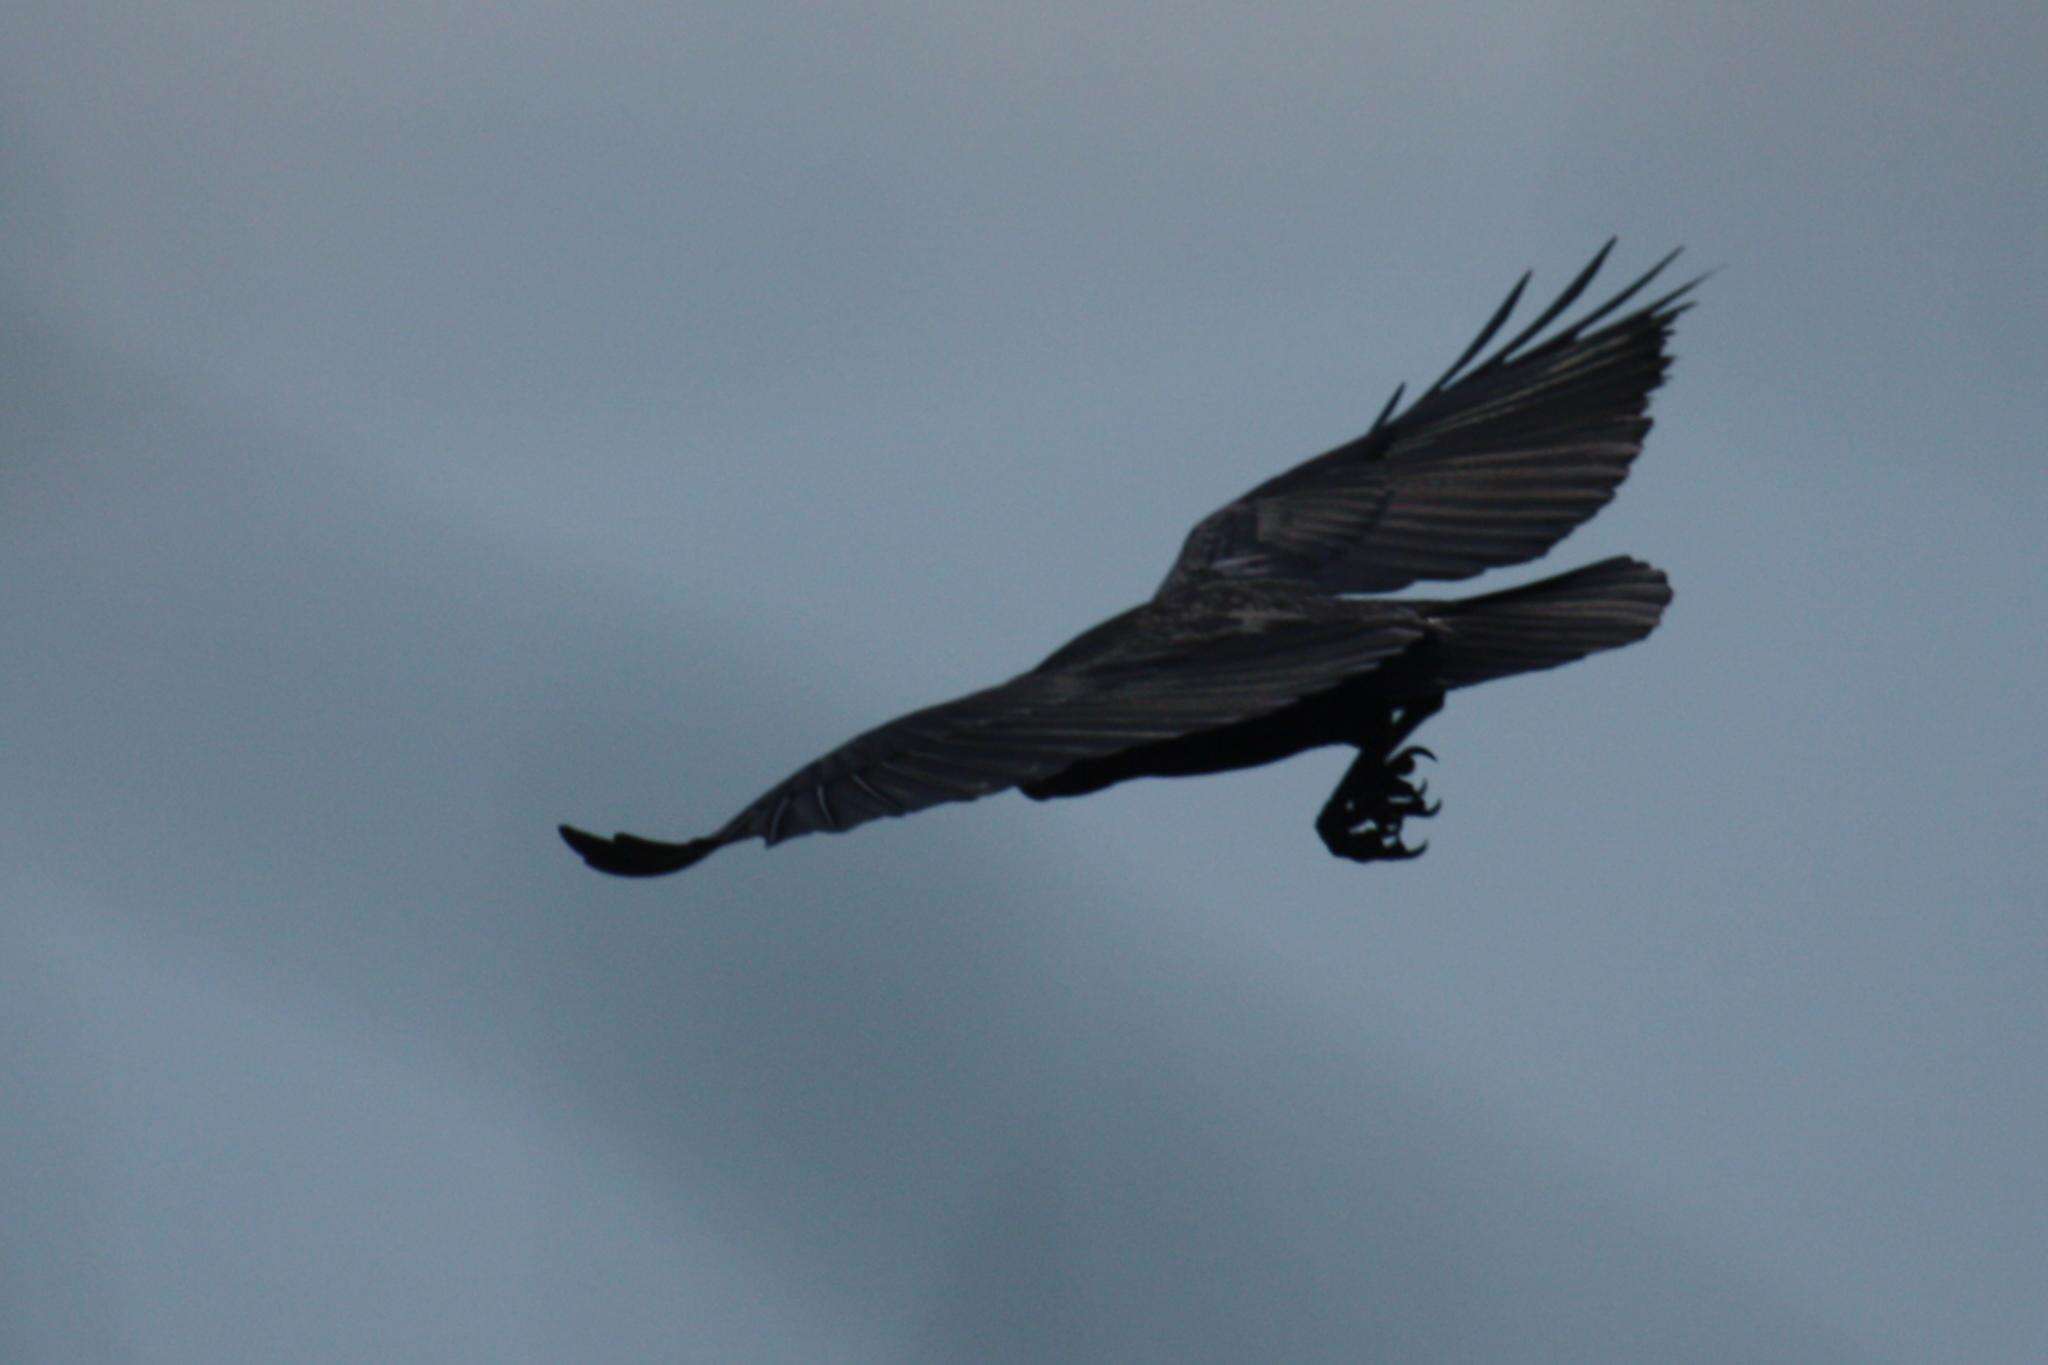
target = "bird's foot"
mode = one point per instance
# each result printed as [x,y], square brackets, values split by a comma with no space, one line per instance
[1364,816]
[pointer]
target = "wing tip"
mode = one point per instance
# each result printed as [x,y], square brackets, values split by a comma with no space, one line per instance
[1660,313]
[628,855]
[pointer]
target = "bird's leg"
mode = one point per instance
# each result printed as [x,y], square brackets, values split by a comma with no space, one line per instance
[1362,820]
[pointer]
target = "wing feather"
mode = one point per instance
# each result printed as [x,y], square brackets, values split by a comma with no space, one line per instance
[1491,465]
[1044,721]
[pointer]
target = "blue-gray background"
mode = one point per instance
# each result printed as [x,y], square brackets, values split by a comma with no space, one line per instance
[424,423]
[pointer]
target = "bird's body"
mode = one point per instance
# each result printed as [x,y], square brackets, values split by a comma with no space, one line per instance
[1439,652]
[1254,649]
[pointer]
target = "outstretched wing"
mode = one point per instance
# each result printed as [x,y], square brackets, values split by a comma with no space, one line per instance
[1490,466]
[1034,726]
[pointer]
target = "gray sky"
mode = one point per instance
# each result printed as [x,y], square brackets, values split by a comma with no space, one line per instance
[426,423]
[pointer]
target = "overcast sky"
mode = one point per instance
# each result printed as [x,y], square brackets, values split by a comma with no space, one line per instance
[425,423]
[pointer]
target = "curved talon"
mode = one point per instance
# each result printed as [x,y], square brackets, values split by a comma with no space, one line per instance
[1403,763]
[1410,802]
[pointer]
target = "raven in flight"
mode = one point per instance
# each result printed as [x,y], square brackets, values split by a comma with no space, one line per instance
[1255,649]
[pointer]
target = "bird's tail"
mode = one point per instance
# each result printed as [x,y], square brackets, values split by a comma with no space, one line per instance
[1541,625]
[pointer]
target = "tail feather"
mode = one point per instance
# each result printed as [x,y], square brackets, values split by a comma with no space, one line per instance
[1606,605]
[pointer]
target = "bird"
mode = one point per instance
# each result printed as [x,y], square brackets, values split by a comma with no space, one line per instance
[1263,640]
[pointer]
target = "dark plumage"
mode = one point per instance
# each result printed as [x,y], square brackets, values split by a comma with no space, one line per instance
[1249,653]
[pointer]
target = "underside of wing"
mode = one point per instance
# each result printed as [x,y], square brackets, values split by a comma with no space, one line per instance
[1038,724]
[1492,465]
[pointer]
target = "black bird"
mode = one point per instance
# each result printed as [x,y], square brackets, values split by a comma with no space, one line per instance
[1253,648]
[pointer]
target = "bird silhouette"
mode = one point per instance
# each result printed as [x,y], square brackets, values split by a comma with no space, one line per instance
[1255,647]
